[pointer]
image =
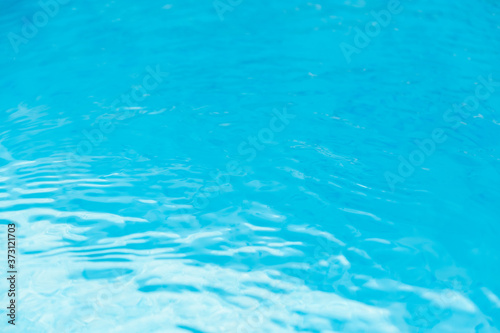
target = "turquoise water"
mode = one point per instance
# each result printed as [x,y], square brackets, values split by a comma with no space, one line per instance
[251,166]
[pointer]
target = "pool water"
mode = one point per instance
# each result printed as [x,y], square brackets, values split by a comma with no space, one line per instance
[251,166]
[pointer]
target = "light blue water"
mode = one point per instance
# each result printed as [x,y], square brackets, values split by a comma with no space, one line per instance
[288,174]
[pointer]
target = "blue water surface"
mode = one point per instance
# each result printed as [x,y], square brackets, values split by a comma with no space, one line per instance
[251,166]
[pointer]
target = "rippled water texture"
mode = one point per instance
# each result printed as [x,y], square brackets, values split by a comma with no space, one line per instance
[251,166]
